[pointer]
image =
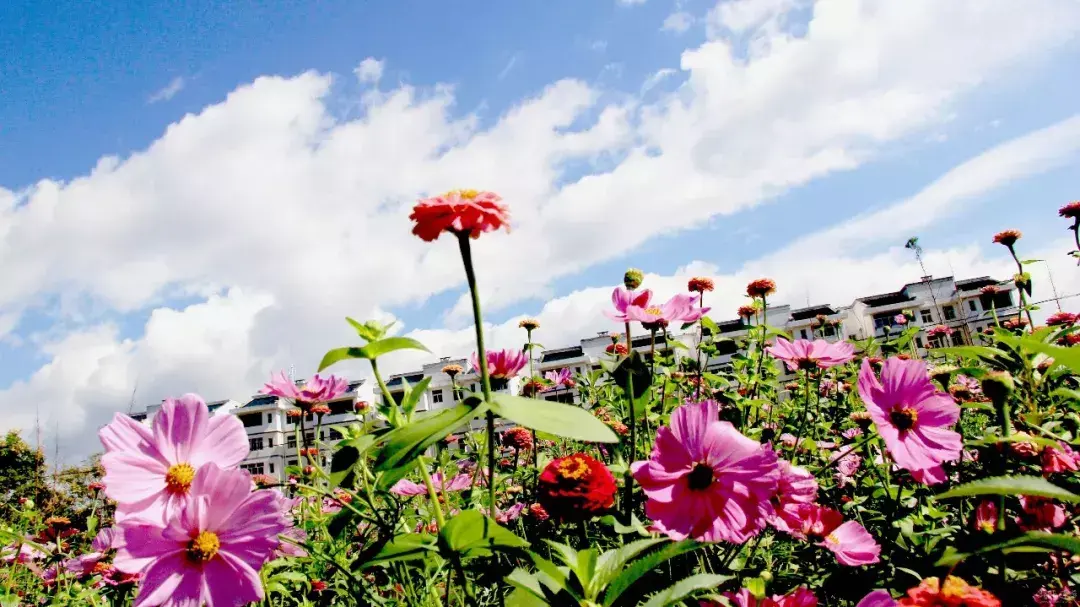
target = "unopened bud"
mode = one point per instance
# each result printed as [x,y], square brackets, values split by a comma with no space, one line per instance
[632,279]
[998,385]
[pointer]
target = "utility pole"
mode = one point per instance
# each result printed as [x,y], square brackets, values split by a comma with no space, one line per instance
[913,244]
[1053,287]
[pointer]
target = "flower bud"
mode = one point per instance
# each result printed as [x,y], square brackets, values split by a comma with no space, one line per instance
[998,385]
[632,279]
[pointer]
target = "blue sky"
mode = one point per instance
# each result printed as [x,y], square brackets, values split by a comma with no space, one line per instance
[255,188]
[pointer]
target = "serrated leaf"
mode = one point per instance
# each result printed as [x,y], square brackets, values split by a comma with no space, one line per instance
[613,561]
[686,587]
[556,418]
[1031,539]
[1011,485]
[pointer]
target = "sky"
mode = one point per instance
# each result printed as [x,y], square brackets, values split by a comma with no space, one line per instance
[194,195]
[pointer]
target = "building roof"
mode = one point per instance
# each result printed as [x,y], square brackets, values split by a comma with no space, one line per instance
[412,378]
[974,284]
[731,326]
[562,354]
[926,279]
[812,311]
[647,340]
[214,406]
[886,299]
[265,400]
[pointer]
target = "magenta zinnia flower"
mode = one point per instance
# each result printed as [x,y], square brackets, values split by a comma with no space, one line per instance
[796,486]
[211,553]
[806,354]
[680,308]
[878,598]
[912,417]
[149,471]
[706,480]
[502,364]
[312,392]
[560,379]
[622,299]
[1059,460]
[800,597]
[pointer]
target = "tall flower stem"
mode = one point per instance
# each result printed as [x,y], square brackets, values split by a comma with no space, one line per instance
[701,340]
[535,457]
[1076,237]
[421,461]
[628,491]
[761,347]
[1020,289]
[481,355]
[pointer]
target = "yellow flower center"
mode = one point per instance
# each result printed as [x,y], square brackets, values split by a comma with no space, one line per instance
[467,194]
[573,469]
[654,311]
[832,539]
[179,477]
[204,547]
[904,418]
[954,587]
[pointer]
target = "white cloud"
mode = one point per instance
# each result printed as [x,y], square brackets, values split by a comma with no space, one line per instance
[168,91]
[370,70]
[678,22]
[659,76]
[301,216]
[630,2]
[742,15]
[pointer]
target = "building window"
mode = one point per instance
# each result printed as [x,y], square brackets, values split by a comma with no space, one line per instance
[250,421]
[829,331]
[918,342]
[802,332]
[270,443]
[971,304]
[254,468]
[290,443]
[927,317]
[335,434]
[271,467]
[436,396]
[269,418]
[255,444]
[340,407]
[310,438]
[292,462]
[950,312]
[957,339]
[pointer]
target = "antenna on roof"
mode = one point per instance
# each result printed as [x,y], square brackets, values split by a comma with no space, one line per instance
[292,373]
[131,403]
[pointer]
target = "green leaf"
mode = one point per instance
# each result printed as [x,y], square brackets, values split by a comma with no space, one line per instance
[633,366]
[686,587]
[472,534]
[1038,440]
[413,395]
[756,586]
[709,324]
[638,568]
[404,444]
[1070,357]
[983,352]
[556,418]
[339,354]
[346,455]
[378,348]
[406,547]
[614,561]
[1031,539]
[91,524]
[1011,485]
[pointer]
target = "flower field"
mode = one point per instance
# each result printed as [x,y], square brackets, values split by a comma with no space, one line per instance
[808,472]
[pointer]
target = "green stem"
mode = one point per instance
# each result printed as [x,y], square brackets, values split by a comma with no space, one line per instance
[628,492]
[761,348]
[481,356]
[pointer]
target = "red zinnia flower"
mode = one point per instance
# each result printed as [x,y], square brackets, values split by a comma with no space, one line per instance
[320,409]
[940,330]
[617,349]
[361,406]
[517,437]
[954,592]
[1061,319]
[537,511]
[318,586]
[576,488]
[761,287]
[469,212]
[700,285]
[1071,210]
[95,486]
[990,290]
[293,413]
[1007,237]
[747,311]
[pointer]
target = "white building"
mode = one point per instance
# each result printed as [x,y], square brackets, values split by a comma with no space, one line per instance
[957,304]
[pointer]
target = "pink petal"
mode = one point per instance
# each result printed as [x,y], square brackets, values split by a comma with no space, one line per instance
[878,598]
[225,443]
[132,476]
[231,582]
[169,579]
[853,545]
[140,544]
[179,426]
[126,434]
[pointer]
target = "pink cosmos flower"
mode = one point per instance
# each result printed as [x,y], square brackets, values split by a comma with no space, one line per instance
[852,433]
[849,541]
[406,487]
[800,597]
[846,469]
[510,514]
[878,598]
[212,551]
[21,553]
[1039,514]
[986,516]
[796,486]
[622,299]
[502,364]
[312,392]
[85,564]
[912,417]
[560,379]
[806,354]
[900,319]
[680,308]
[1056,460]
[149,471]
[706,480]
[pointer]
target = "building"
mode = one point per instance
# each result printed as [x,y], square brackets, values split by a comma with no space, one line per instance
[958,304]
